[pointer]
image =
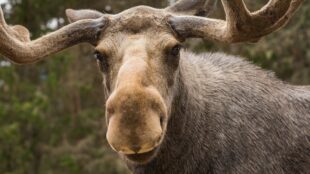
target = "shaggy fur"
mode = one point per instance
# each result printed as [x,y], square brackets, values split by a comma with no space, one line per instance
[230,116]
[194,115]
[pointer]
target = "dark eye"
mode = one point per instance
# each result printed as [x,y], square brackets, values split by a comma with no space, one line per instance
[175,51]
[99,56]
[102,61]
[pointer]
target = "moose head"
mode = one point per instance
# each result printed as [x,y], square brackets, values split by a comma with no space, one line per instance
[138,53]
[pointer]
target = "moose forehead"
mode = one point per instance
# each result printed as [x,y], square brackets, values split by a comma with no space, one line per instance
[139,19]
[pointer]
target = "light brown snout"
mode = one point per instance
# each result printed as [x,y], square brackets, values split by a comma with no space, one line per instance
[136,112]
[135,120]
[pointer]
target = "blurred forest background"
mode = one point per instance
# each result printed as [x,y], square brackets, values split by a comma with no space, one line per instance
[52,113]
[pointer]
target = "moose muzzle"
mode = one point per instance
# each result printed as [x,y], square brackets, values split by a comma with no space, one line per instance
[135,111]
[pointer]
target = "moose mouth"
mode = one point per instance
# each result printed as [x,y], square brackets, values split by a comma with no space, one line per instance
[142,158]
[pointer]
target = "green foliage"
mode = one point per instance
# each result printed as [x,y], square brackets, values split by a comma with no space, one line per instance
[52,113]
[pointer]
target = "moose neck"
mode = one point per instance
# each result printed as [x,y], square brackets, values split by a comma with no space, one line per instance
[185,135]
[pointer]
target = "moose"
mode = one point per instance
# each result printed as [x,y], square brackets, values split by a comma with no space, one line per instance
[170,111]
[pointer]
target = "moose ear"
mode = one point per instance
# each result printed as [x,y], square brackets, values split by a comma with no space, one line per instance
[75,15]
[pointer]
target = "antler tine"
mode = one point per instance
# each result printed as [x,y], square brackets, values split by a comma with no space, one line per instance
[2,21]
[283,14]
[193,7]
[240,24]
[16,45]
[76,15]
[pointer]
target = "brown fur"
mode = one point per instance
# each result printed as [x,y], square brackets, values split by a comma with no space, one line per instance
[197,114]
[172,113]
[229,116]
[137,68]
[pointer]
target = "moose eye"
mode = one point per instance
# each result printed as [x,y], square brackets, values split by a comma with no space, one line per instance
[175,51]
[99,56]
[102,61]
[173,55]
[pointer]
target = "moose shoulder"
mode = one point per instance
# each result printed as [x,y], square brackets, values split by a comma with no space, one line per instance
[170,111]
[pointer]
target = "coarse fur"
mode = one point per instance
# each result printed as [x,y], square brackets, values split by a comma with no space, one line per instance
[178,113]
[230,116]
[220,114]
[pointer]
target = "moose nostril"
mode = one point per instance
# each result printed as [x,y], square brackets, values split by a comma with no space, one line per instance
[161,119]
[136,148]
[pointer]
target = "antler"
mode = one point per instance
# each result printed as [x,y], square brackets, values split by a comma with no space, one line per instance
[240,25]
[193,7]
[16,45]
